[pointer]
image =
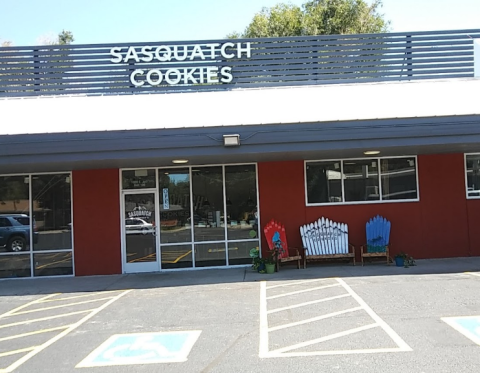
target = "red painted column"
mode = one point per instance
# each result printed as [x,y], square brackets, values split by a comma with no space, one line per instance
[96,222]
[444,219]
[473,211]
[282,197]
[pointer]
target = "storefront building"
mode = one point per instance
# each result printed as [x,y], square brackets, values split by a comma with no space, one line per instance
[172,156]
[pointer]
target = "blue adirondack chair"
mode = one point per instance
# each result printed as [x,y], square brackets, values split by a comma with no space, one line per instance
[378,238]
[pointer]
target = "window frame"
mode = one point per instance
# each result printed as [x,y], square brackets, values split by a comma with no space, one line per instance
[32,252]
[466,176]
[381,200]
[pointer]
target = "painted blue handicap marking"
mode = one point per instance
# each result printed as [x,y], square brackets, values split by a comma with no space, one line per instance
[469,326]
[144,348]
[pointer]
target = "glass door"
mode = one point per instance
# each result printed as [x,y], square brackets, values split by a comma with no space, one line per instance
[140,238]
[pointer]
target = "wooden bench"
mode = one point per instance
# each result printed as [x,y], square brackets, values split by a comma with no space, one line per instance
[325,239]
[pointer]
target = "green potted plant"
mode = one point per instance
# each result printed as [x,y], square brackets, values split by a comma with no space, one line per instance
[272,259]
[404,260]
[258,264]
[270,264]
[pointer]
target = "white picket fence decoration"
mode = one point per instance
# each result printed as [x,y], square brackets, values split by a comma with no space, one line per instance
[325,237]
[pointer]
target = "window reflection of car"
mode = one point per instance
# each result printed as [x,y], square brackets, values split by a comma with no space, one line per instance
[196,219]
[138,226]
[15,232]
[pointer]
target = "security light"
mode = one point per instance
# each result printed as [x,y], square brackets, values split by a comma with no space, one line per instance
[231,140]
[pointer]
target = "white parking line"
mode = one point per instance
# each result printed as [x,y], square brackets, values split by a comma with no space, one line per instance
[263,343]
[288,351]
[323,339]
[318,318]
[473,273]
[399,341]
[36,349]
[44,318]
[297,283]
[306,303]
[302,291]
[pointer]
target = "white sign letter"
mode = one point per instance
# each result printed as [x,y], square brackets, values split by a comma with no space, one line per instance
[115,52]
[212,72]
[212,49]
[175,53]
[149,77]
[188,75]
[225,46]
[173,71]
[167,55]
[227,76]
[147,51]
[132,53]
[135,82]
[197,50]
[246,50]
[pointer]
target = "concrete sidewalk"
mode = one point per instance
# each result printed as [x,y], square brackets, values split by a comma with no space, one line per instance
[231,275]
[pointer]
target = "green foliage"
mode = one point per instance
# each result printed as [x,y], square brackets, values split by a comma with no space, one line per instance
[408,260]
[65,37]
[316,17]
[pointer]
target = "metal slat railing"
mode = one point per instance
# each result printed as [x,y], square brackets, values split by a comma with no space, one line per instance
[309,60]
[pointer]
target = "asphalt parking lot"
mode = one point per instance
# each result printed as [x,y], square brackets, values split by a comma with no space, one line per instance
[326,318]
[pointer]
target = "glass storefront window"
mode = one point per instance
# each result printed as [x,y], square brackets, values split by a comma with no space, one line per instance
[53,264]
[41,213]
[210,255]
[324,182]
[208,208]
[139,179]
[140,228]
[239,252]
[177,256]
[175,221]
[473,175]
[52,214]
[207,217]
[361,180]
[399,178]
[14,213]
[14,265]
[241,192]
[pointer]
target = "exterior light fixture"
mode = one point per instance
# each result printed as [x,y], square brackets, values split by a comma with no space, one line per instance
[231,140]
[180,161]
[371,152]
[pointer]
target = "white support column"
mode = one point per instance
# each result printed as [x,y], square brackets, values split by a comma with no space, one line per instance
[476,58]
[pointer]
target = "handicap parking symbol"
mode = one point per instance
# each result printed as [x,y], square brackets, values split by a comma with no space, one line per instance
[143,348]
[469,326]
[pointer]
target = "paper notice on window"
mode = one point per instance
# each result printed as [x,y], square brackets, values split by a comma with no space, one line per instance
[166,201]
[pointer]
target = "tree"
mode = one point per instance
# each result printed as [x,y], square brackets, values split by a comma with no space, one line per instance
[317,17]
[65,37]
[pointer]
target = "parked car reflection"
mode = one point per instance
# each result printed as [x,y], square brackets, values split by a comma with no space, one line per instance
[138,226]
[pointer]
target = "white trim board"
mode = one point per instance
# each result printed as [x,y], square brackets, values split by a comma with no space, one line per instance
[335,102]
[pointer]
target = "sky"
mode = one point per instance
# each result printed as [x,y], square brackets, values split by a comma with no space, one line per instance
[27,22]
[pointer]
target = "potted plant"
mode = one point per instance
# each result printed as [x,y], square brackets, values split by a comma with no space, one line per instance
[270,264]
[404,260]
[272,259]
[258,264]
